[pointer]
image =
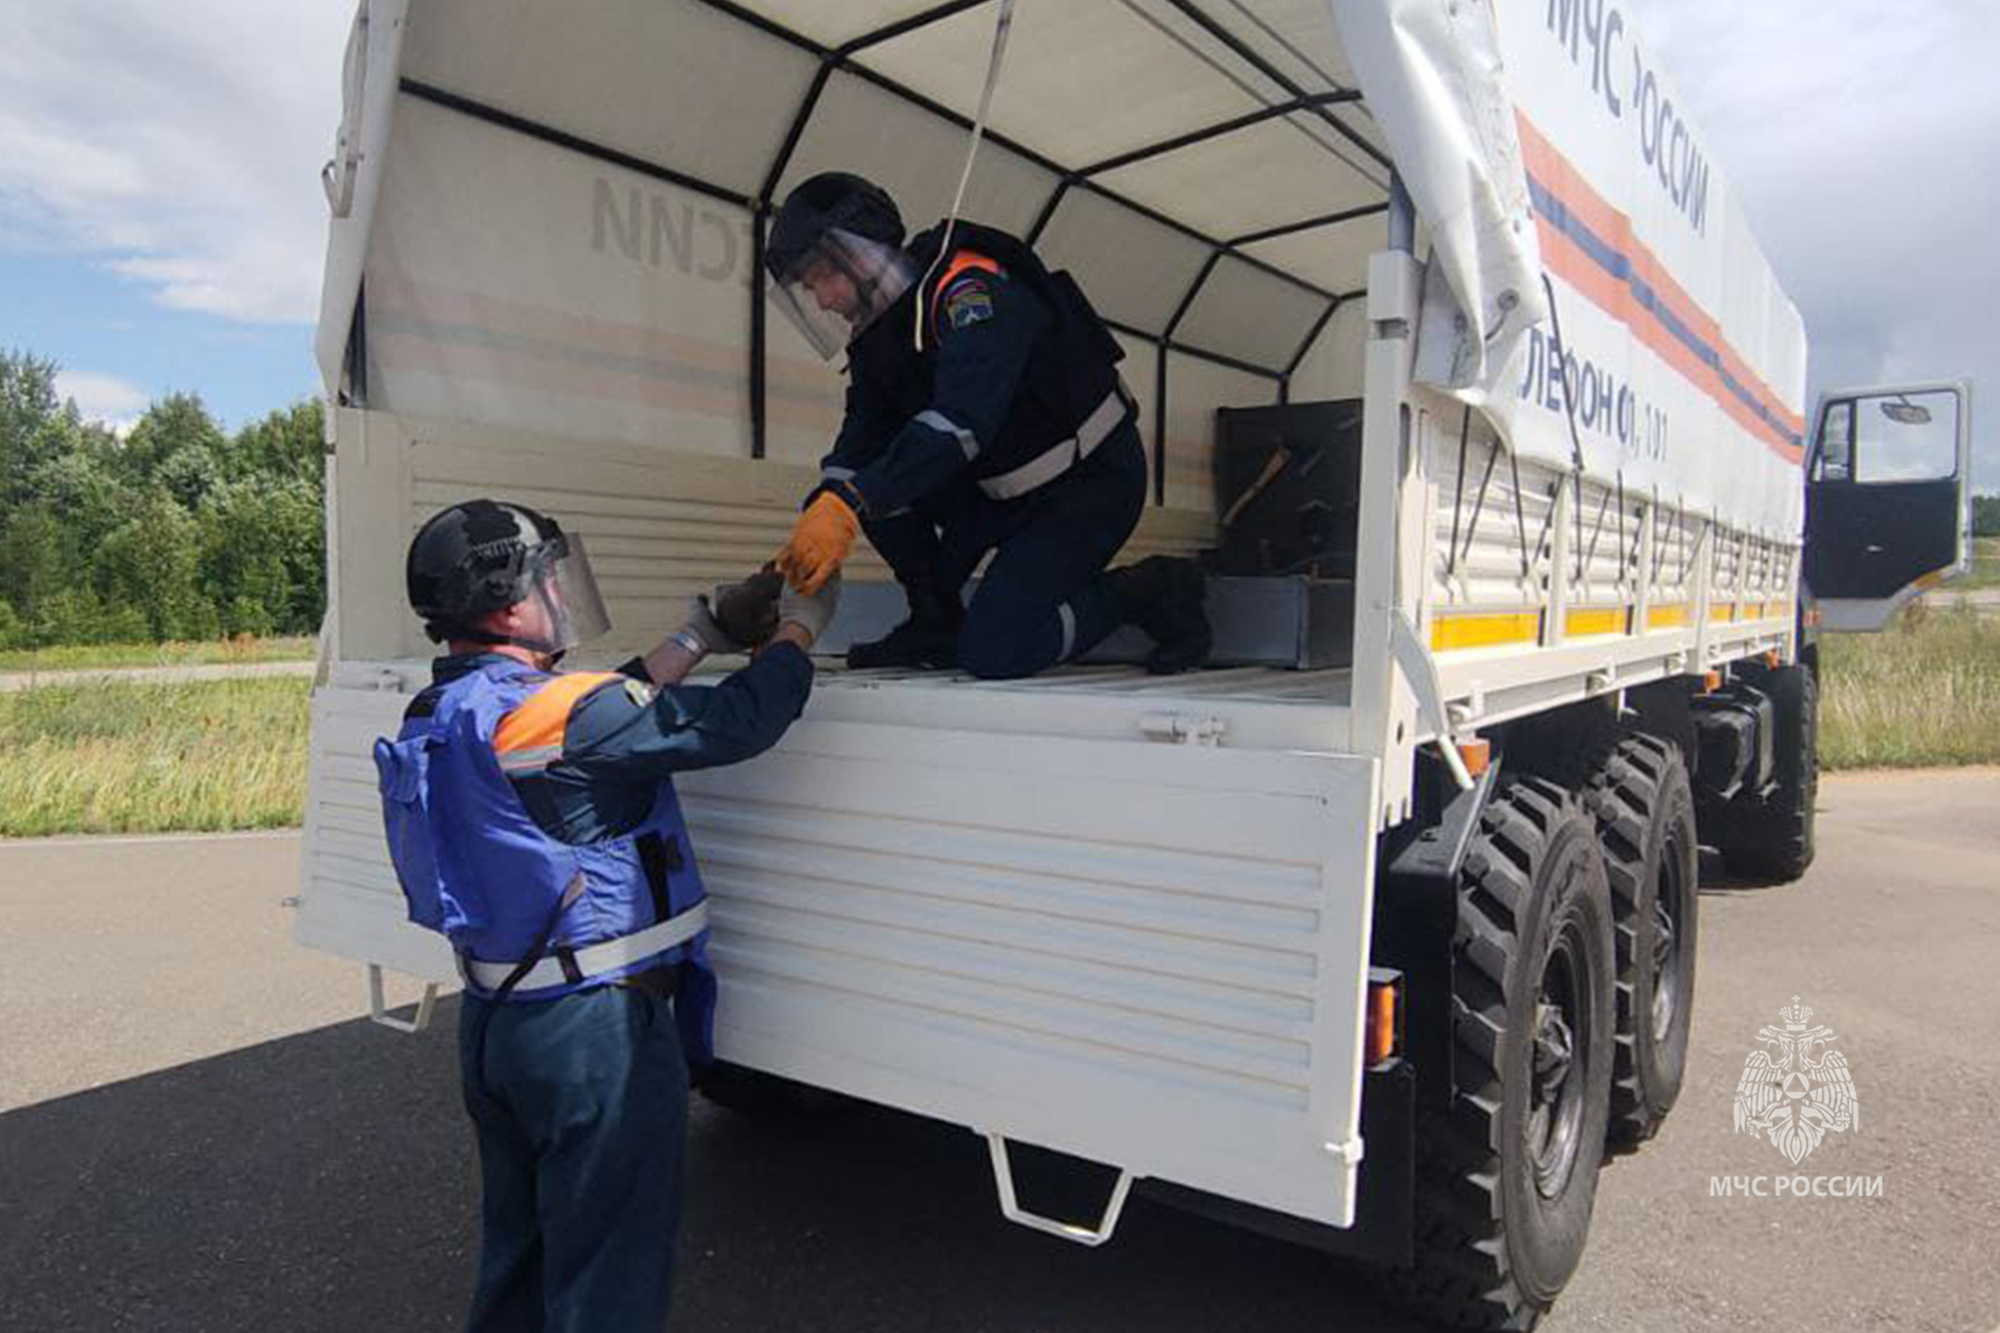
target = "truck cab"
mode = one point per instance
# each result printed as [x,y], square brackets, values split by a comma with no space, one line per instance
[1888,499]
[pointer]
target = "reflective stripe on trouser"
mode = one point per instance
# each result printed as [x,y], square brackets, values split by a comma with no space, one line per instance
[1044,598]
[1046,466]
[1050,551]
[580,1108]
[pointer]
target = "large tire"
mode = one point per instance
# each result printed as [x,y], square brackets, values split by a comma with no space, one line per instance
[1643,802]
[1507,1175]
[1770,837]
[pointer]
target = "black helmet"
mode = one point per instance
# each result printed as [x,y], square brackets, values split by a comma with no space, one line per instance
[836,259]
[832,200]
[481,556]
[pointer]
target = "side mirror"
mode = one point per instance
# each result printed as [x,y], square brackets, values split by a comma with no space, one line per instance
[1907,413]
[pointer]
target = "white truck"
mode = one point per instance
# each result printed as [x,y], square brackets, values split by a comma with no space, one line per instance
[1382,954]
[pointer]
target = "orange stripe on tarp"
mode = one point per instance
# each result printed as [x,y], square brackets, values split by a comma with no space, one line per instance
[541,719]
[1570,261]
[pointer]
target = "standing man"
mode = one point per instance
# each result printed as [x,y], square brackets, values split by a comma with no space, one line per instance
[984,414]
[532,820]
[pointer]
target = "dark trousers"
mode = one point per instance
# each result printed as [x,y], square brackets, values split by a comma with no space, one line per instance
[1043,599]
[580,1107]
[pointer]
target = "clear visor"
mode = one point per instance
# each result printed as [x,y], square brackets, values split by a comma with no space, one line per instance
[840,286]
[564,590]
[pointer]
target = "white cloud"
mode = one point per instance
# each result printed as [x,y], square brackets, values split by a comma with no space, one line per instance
[1862,139]
[115,402]
[179,144]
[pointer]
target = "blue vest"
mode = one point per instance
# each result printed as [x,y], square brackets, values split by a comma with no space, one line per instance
[475,866]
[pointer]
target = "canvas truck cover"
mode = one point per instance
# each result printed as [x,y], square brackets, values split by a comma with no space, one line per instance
[1684,360]
[547,215]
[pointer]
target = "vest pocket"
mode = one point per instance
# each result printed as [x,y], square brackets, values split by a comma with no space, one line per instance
[402,770]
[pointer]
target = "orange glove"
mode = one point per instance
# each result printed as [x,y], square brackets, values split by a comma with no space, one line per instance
[821,540]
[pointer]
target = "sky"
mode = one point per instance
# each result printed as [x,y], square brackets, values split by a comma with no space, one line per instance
[162,224]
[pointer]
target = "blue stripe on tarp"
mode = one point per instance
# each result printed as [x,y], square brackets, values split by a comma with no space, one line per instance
[1619,265]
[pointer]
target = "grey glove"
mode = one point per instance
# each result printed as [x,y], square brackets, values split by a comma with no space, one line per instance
[747,612]
[812,612]
[701,635]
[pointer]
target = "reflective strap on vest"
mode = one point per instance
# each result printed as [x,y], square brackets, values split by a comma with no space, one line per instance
[596,960]
[1046,466]
[530,738]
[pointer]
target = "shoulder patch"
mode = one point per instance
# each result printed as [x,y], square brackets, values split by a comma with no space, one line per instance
[969,302]
[639,692]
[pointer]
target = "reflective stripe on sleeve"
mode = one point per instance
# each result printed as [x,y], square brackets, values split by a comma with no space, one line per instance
[944,425]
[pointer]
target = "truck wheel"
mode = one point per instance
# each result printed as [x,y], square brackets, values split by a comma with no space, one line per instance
[1644,806]
[1771,838]
[1508,1171]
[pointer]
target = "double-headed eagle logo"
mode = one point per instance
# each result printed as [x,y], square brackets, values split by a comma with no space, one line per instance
[1795,1098]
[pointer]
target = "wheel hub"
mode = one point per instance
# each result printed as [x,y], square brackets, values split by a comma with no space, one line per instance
[1555,1097]
[1666,943]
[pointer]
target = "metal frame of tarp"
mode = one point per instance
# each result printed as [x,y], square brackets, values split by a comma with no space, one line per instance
[1324,107]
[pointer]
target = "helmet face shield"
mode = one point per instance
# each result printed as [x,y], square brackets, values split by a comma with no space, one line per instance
[839,285]
[561,584]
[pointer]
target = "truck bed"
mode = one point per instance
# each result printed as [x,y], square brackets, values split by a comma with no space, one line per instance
[1023,905]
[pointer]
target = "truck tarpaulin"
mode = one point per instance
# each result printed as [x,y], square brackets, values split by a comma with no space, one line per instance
[1682,359]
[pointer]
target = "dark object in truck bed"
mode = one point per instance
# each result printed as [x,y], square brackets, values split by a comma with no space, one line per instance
[1295,622]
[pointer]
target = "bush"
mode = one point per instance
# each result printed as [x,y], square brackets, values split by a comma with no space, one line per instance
[72,615]
[13,634]
[246,616]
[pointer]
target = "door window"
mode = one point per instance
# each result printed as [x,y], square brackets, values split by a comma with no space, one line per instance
[1890,437]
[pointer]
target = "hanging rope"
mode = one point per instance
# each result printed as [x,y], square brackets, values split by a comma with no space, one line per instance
[1002,25]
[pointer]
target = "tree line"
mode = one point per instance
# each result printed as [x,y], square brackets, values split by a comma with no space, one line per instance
[177,531]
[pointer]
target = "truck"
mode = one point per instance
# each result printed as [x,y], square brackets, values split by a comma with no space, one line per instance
[1381,945]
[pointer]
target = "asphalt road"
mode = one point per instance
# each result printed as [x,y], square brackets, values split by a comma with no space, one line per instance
[196,1134]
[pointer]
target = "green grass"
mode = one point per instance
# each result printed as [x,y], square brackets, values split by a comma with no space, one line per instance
[94,656]
[121,757]
[1985,566]
[129,757]
[1922,694]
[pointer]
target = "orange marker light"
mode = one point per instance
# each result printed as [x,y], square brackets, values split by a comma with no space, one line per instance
[1477,754]
[1711,681]
[1383,1038]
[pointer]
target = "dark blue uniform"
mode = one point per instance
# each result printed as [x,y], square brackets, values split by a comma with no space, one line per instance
[1007,431]
[580,1103]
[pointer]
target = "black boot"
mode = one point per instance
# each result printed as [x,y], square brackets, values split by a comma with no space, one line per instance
[1163,596]
[929,638]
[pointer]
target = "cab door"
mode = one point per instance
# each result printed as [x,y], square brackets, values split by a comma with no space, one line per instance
[1888,504]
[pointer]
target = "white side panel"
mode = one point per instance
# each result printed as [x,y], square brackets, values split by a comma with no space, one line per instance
[662,525]
[1146,955]
[349,903]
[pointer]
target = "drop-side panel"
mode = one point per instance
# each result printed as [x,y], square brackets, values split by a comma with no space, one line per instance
[1144,954]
